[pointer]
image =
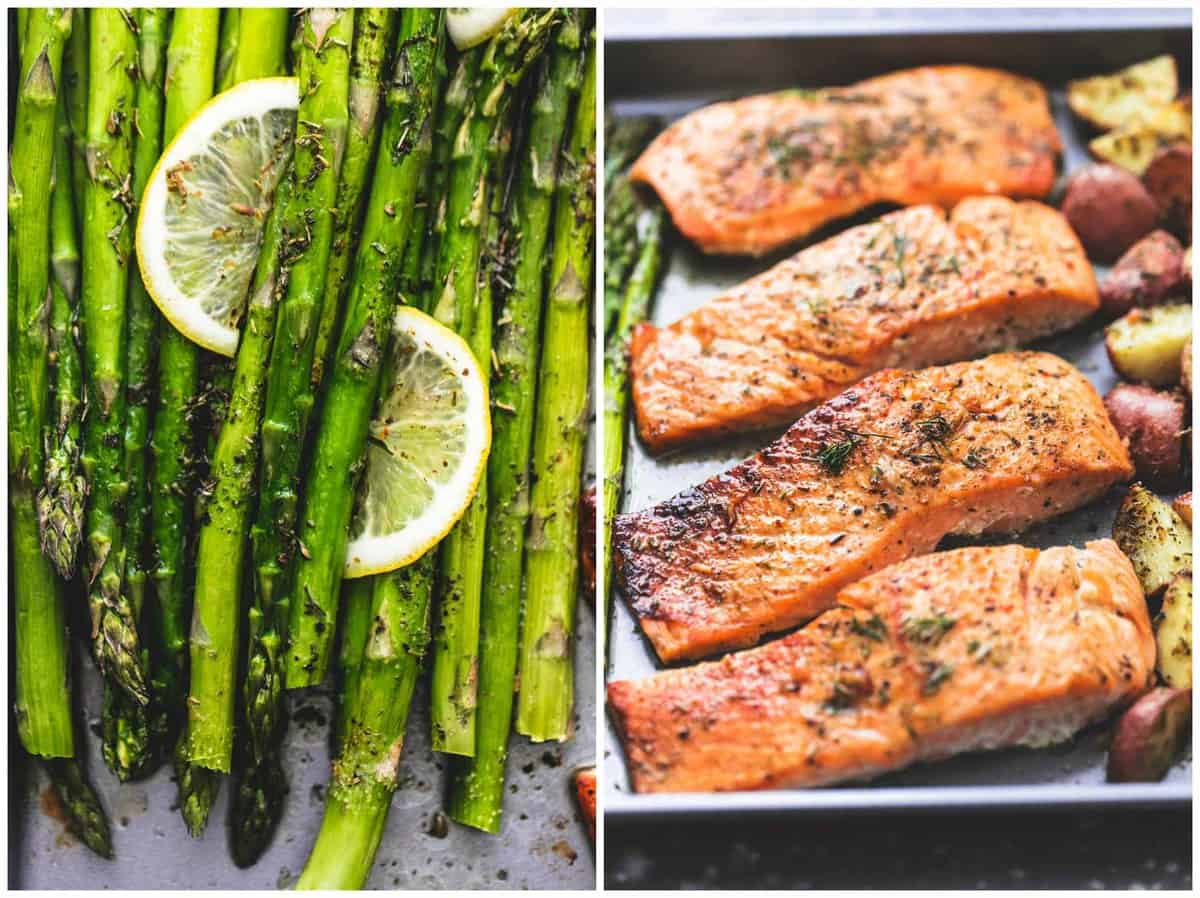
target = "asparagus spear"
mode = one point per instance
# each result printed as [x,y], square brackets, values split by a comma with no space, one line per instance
[373,32]
[64,490]
[42,696]
[191,66]
[125,724]
[75,84]
[227,47]
[633,308]
[477,784]
[456,649]
[454,683]
[84,815]
[107,227]
[265,54]
[551,563]
[367,769]
[261,786]
[320,137]
[353,380]
[628,137]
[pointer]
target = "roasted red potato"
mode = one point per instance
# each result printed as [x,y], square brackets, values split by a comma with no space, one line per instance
[1185,368]
[1150,736]
[1151,424]
[585,794]
[1173,633]
[1110,210]
[1125,96]
[1150,272]
[1168,178]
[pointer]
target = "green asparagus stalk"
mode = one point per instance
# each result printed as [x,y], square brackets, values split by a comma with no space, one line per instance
[474,176]
[261,784]
[366,771]
[84,815]
[621,208]
[551,562]
[320,138]
[227,47]
[64,490]
[75,82]
[373,31]
[42,693]
[264,55]
[454,682]
[191,67]
[107,233]
[634,307]
[349,395]
[125,724]
[477,784]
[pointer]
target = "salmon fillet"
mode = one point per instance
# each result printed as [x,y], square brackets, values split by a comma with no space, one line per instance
[972,649]
[915,288]
[756,173]
[879,474]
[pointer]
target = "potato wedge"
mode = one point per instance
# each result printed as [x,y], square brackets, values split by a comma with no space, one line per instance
[1146,345]
[1150,423]
[1111,101]
[1173,633]
[1183,507]
[1156,540]
[1134,147]
[1150,736]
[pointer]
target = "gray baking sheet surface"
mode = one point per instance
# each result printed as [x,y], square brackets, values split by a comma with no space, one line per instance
[1068,775]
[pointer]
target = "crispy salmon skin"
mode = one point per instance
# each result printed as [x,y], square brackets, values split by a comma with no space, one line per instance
[917,287]
[880,473]
[754,174]
[960,651]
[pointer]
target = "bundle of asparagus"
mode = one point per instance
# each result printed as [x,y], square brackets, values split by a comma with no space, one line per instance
[220,498]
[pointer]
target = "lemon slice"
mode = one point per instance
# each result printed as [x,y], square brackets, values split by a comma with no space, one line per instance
[469,26]
[202,213]
[427,448]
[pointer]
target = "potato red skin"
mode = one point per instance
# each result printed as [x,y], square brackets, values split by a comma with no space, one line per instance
[1169,181]
[1109,209]
[1151,424]
[1183,507]
[1149,736]
[1149,273]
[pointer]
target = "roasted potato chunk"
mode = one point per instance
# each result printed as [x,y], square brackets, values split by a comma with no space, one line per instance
[1173,633]
[1110,101]
[1109,209]
[1150,736]
[1149,273]
[1156,540]
[1146,345]
[1134,147]
[1169,180]
[1185,368]
[1151,424]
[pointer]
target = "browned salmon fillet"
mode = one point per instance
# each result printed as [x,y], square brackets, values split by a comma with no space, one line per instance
[959,651]
[878,474]
[756,173]
[915,288]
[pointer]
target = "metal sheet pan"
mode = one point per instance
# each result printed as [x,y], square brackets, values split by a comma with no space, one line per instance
[668,74]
